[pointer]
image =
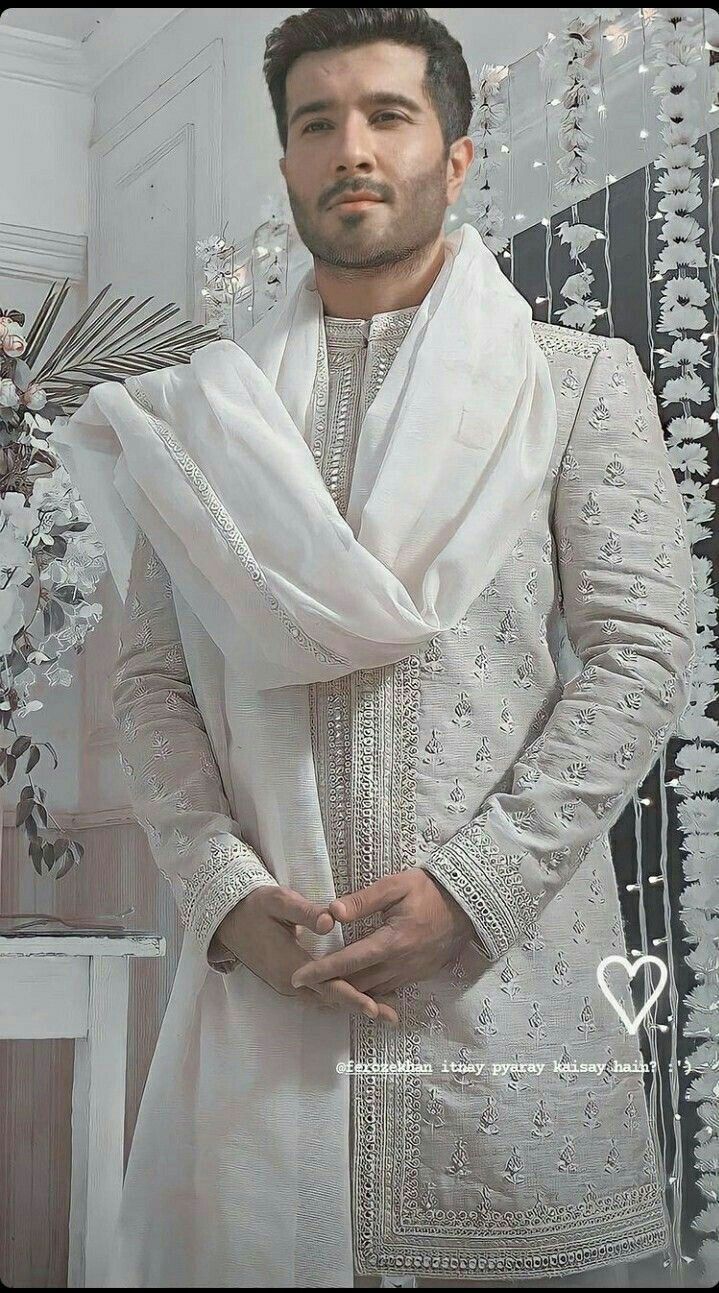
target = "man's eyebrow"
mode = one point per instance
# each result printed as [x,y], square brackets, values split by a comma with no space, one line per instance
[375,99]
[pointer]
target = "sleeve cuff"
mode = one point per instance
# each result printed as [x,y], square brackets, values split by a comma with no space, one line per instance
[228,875]
[488,886]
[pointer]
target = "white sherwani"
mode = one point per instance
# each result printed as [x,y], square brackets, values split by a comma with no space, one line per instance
[502,751]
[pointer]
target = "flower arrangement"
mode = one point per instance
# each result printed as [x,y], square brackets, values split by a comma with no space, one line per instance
[51,559]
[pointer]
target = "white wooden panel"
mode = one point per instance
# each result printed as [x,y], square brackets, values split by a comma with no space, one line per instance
[156,187]
[34,1003]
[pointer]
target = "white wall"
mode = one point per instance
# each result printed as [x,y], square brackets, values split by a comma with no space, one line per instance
[45,138]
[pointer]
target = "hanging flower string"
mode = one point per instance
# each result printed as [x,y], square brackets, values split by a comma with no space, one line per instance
[488,132]
[566,61]
[677,48]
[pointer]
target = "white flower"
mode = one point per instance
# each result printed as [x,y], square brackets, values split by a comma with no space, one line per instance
[24,519]
[677,76]
[676,106]
[14,555]
[674,317]
[687,387]
[683,131]
[13,342]
[578,286]
[492,79]
[680,254]
[208,248]
[685,350]
[689,428]
[689,456]
[34,397]
[680,155]
[580,315]
[680,228]
[688,200]
[578,236]
[680,290]
[675,180]
[9,397]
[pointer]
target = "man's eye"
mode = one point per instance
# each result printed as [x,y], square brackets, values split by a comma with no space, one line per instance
[388,113]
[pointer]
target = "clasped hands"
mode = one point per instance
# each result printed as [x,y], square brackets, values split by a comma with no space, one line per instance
[423,929]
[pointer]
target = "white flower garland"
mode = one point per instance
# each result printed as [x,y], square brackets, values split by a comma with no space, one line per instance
[676,43]
[488,132]
[566,62]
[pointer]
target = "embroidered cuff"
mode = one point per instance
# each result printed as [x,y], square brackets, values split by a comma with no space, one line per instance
[487,884]
[229,874]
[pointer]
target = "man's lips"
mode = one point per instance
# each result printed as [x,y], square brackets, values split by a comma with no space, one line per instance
[359,200]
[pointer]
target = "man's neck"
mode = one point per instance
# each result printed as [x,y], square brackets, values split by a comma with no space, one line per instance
[352,294]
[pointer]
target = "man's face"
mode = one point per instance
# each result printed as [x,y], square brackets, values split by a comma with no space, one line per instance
[392,149]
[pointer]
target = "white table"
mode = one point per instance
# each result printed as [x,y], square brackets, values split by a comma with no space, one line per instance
[77,986]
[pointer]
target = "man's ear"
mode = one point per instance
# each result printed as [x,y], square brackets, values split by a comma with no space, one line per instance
[282,168]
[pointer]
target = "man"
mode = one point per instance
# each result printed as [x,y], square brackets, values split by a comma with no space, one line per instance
[499,1130]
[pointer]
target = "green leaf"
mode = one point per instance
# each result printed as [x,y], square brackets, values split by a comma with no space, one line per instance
[33,758]
[19,746]
[67,593]
[23,810]
[67,866]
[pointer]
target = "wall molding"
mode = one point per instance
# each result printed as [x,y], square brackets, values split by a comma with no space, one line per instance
[79,66]
[44,60]
[42,254]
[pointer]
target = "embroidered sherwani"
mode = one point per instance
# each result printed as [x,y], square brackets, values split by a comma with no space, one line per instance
[497,757]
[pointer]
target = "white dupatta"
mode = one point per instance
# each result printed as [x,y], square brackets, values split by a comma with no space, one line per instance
[239,1171]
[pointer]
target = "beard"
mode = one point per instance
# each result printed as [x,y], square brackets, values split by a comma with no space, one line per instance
[353,245]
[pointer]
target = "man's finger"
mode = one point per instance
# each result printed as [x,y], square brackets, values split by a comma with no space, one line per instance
[387,1011]
[375,978]
[339,965]
[368,901]
[288,905]
[346,996]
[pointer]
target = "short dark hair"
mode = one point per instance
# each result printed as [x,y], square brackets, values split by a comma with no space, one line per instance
[447,82]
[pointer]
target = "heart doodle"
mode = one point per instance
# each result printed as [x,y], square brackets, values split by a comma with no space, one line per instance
[631,969]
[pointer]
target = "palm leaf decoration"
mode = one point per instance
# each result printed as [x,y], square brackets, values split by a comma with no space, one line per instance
[109,342]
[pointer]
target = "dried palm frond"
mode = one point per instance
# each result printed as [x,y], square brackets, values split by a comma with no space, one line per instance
[107,344]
